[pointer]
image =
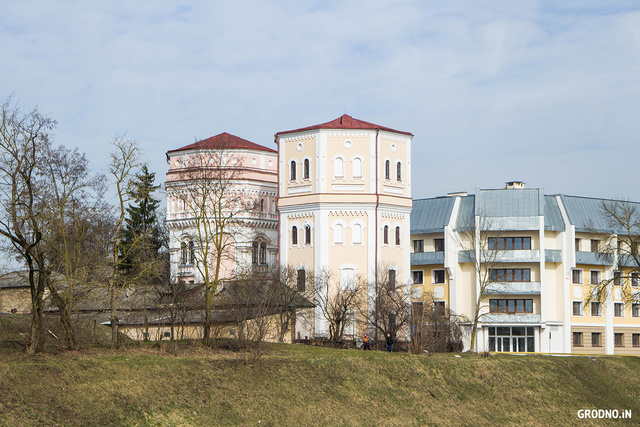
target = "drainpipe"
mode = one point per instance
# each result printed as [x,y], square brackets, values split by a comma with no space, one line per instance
[376,232]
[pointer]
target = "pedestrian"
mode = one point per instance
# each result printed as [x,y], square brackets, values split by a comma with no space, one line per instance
[389,343]
[366,345]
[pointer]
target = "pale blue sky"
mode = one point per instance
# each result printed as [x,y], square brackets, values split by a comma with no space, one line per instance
[547,92]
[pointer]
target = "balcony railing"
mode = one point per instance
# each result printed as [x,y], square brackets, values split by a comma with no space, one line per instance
[594,258]
[510,318]
[427,258]
[513,288]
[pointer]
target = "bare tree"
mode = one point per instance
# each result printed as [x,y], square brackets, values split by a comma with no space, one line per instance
[387,309]
[337,303]
[619,245]
[206,189]
[434,328]
[22,136]
[70,207]
[479,241]
[122,165]
[290,299]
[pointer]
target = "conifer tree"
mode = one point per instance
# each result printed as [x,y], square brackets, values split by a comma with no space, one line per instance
[141,239]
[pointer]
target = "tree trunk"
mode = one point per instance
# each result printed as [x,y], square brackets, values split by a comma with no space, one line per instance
[113,319]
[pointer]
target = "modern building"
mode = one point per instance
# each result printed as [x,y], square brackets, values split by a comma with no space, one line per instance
[344,205]
[530,262]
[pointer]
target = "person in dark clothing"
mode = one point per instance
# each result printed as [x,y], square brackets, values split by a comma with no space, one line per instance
[389,343]
[366,345]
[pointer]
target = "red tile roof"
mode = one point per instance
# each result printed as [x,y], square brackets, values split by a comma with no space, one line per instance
[223,141]
[345,122]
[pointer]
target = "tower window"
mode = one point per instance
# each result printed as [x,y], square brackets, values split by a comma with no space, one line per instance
[307,234]
[292,176]
[306,169]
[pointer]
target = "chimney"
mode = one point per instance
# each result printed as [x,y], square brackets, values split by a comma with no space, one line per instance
[457,193]
[512,185]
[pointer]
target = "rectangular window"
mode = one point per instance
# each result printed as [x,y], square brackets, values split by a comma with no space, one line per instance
[595,245]
[618,340]
[635,310]
[511,306]
[577,308]
[418,246]
[418,277]
[618,309]
[439,245]
[617,278]
[577,339]
[596,309]
[595,339]
[347,279]
[438,276]
[635,279]
[510,275]
[417,311]
[576,276]
[301,280]
[509,243]
[392,280]
[577,245]
[635,340]
[595,277]
[439,307]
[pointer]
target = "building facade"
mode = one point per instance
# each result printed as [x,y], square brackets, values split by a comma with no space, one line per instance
[344,205]
[531,263]
[243,193]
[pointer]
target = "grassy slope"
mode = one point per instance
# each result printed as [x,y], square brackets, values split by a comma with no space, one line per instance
[301,385]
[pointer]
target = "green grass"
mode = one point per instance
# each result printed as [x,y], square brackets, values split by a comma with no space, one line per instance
[295,385]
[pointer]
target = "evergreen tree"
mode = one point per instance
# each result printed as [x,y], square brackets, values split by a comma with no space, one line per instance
[141,240]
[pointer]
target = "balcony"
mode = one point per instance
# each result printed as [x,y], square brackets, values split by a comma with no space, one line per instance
[513,288]
[553,255]
[427,258]
[593,258]
[519,256]
[510,318]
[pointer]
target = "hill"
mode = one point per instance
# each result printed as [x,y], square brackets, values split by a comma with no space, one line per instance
[297,385]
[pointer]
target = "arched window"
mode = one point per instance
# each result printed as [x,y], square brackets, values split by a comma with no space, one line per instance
[292,176]
[397,236]
[356,168]
[307,234]
[254,253]
[356,234]
[261,205]
[294,235]
[263,253]
[338,167]
[338,234]
[192,253]
[385,235]
[184,253]
[387,170]
[306,169]
[399,172]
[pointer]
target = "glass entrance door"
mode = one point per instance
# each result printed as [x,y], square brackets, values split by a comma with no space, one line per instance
[519,339]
